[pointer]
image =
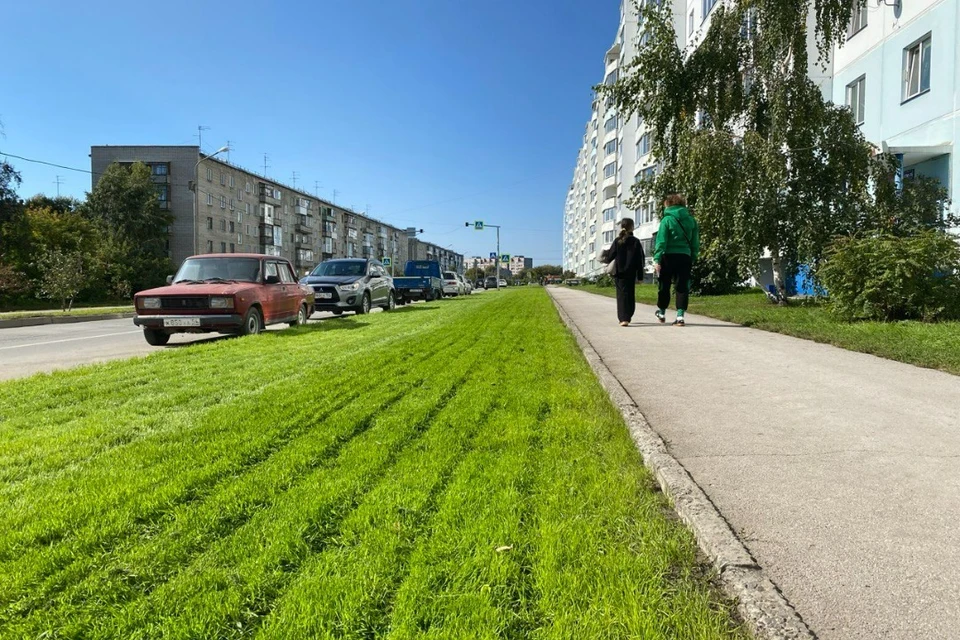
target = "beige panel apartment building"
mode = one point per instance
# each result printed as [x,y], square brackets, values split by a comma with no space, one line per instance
[219,207]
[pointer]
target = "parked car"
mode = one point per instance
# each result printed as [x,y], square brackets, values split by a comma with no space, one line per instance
[467,285]
[421,280]
[452,286]
[478,284]
[572,282]
[490,282]
[503,282]
[351,284]
[232,293]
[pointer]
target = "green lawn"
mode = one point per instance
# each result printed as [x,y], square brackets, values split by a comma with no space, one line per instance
[936,346]
[84,311]
[449,470]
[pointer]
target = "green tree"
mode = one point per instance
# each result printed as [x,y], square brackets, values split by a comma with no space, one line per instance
[14,236]
[126,210]
[63,276]
[738,126]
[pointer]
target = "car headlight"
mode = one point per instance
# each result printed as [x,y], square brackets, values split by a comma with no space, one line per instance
[150,303]
[221,303]
[353,286]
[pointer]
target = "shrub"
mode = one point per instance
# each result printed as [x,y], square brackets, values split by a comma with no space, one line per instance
[894,278]
[604,280]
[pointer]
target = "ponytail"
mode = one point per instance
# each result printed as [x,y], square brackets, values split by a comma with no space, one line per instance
[626,229]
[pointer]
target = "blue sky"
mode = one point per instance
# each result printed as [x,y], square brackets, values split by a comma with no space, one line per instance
[430,112]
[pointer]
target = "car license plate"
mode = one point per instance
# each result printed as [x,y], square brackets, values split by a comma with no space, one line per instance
[416,290]
[324,296]
[181,322]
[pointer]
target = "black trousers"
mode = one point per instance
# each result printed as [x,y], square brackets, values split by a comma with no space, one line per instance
[626,296]
[674,267]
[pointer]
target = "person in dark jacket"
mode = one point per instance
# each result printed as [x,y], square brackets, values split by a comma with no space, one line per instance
[677,248]
[627,253]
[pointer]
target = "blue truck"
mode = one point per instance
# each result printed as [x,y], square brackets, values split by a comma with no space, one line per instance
[421,280]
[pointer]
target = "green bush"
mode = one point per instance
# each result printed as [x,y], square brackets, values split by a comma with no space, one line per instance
[894,278]
[604,280]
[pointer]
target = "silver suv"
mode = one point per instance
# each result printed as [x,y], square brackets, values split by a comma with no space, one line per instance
[351,284]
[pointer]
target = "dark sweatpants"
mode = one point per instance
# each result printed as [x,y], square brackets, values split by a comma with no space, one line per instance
[674,266]
[626,296]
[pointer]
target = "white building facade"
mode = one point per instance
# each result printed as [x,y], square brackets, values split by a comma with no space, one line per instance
[899,71]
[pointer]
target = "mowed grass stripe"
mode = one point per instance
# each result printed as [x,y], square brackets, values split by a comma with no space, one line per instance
[349,588]
[148,398]
[228,585]
[467,480]
[247,491]
[99,540]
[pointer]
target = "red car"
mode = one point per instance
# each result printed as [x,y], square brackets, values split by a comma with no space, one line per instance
[235,293]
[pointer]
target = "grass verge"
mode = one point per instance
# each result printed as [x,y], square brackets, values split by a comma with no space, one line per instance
[85,311]
[931,345]
[446,470]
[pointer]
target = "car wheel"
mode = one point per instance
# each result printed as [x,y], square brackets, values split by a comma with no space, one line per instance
[364,305]
[391,302]
[156,338]
[252,322]
[301,317]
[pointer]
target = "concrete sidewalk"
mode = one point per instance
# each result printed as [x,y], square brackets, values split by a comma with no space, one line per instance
[839,471]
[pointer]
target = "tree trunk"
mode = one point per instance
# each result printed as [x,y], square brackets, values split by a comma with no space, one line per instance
[778,279]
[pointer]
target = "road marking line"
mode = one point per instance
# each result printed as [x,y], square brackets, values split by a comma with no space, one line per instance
[40,344]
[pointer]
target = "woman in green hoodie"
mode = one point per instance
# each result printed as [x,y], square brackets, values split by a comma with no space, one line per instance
[677,248]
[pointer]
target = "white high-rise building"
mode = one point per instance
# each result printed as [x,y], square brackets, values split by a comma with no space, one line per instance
[614,155]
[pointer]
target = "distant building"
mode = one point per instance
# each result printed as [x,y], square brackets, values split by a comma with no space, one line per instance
[516,265]
[219,207]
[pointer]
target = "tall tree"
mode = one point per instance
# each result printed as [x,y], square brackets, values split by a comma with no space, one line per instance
[738,126]
[125,207]
[14,234]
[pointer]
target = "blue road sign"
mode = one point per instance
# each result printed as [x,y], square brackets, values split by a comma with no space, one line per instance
[386,262]
[505,257]
[493,255]
[478,225]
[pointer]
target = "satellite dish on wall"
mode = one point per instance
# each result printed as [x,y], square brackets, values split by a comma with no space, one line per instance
[897,7]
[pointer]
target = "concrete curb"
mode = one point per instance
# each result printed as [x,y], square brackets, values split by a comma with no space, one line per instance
[13,323]
[761,604]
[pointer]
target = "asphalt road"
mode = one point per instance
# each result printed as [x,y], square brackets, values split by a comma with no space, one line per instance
[28,350]
[839,471]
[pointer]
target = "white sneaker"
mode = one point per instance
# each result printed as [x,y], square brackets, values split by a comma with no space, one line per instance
[661,316]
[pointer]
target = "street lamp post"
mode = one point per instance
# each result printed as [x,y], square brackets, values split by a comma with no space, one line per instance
[196,195]
[496,262]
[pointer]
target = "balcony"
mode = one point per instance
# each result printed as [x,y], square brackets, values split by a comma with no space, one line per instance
[303,228]
[268,195]
[301,210]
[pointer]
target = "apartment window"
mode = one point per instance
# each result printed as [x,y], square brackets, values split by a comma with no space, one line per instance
[240,195]
[916,68]
[210,174]
[593,195]
[233,205]
[856,98]
[223,247]
[608,236]
[858,19]
[231,227]
[611,78]
[223,202]
[163,192]
[249,231]
[223,225]
[232,248]
[248,188]
[592,247]
[223,178]
[707,6]
[690,23]
[593,229]
[609,215]
[209,246]
[210,223]
[610,125]
[610,147]
[159,169]
[240,239]
[643,145]
[210,199]
[610,170]
[233,182]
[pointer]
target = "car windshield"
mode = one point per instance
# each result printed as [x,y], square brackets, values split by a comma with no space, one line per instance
[449,275]
[207,269]
[341,268]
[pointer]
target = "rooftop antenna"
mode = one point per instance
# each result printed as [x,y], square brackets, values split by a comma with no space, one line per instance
[200,130]
[316,188]
[229,147]
[294,175]
[58,182]
[335,192]
[265,165]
